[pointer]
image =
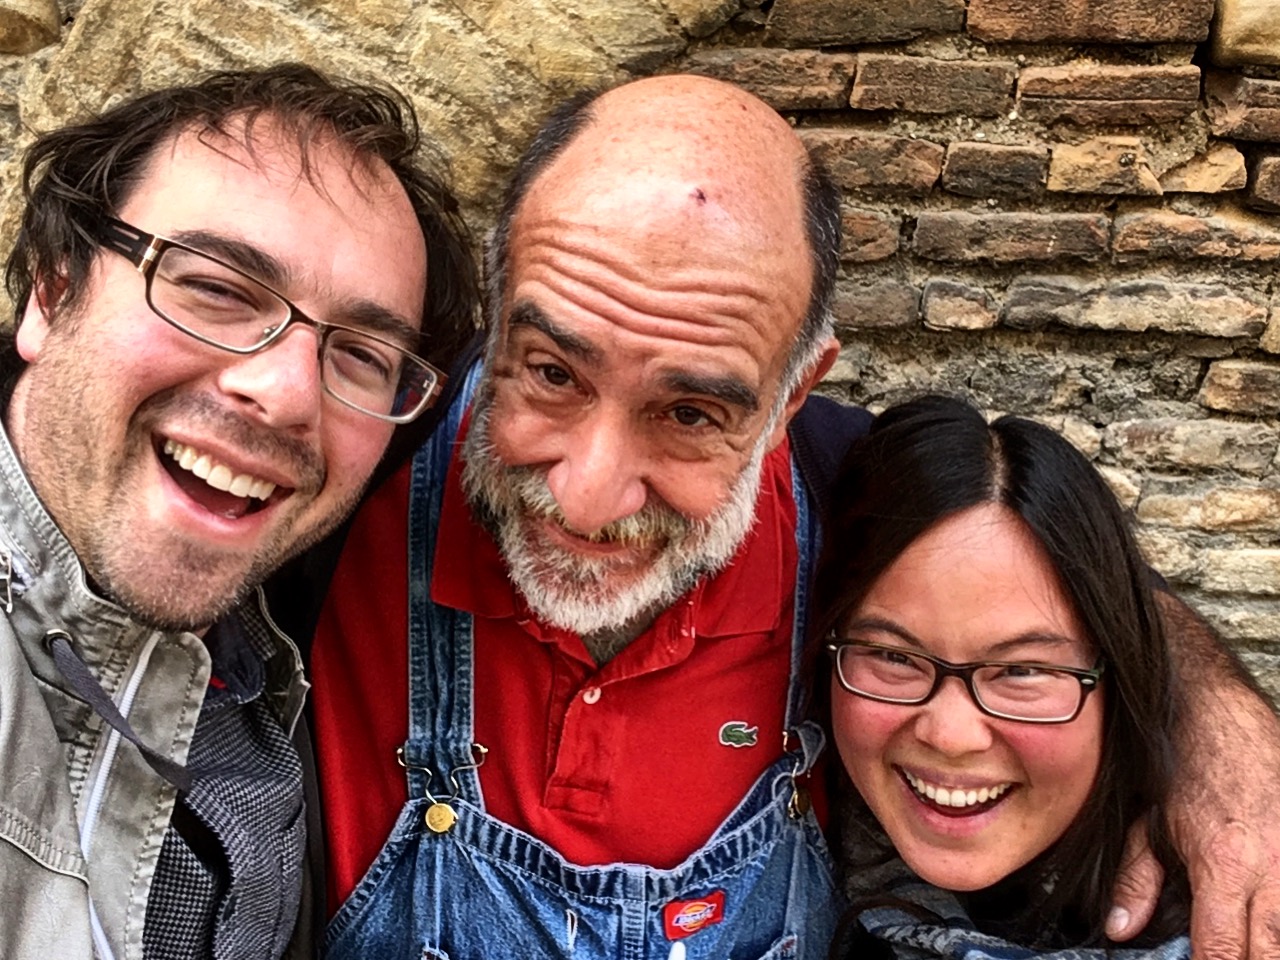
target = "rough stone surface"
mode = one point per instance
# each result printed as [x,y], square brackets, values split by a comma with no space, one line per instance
[1162,233]
[1125,484]
[1255,571]
[1213,310]
[1192,444]
[961,237]
[1089,93]
[974,169]
[1171,555]
[1245,32]
[1264,192]
[1219,509]
[480,72]
[1219,168]
[28,25]
[1242,386]
[833,22]
[888,303]
[1265,668]
[1243,108]
[1102,165]
[876,163]
[784,79]
[949,305]
[1102,21]
[929,85]
[868,236]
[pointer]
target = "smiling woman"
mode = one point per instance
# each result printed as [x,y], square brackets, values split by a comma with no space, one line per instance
[999,689]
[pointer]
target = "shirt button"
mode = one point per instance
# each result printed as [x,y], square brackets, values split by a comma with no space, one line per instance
[591,695]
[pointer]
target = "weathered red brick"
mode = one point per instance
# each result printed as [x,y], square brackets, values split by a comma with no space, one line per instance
[1220,168]
[1096,81]
[888,303]
[1264,192]
[1154,303]
[837,22]
[873,162]
[929,85]
[961,237]
[1162,233]
[994,170]
[1100,21]
[951,305]
[1102,93]
[1243,108]
[784,79]
[868,236]
[1102,165]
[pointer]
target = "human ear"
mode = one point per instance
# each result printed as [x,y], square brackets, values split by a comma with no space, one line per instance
[33,327]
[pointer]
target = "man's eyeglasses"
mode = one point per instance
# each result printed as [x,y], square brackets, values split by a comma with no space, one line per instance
[1008,690]
[225,307]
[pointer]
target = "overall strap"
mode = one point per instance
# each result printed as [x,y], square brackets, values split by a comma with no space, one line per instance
[439,749]
[820,433]
[808,546]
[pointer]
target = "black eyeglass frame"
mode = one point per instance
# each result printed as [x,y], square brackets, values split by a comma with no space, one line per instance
[144,249]
[1089,678]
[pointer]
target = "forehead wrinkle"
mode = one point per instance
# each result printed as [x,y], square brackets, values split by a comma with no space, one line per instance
[526,314]
[591,281]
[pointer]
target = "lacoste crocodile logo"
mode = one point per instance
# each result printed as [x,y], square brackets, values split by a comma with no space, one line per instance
[736,733]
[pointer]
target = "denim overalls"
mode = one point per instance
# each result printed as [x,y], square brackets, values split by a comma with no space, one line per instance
[479,889]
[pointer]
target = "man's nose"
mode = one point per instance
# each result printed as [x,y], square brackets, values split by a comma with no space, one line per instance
[599,476]
[951,722]
[279,385]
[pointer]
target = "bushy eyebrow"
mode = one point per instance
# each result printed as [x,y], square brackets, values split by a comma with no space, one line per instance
[730,390]
[525,314]
[1037,638]
[365,314]
[252,260]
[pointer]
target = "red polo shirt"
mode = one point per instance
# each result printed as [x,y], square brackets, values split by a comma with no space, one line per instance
[638,761]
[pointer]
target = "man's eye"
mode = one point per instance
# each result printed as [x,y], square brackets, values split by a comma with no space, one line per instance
[688,416]
[553,374]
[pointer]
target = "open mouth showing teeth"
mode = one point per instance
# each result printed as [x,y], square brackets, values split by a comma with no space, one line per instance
[955,802]
[214,485]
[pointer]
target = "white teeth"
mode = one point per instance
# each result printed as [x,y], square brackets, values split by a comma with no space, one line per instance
[945,797]
[218,475]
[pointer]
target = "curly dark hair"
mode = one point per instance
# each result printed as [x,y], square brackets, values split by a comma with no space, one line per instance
[73,175]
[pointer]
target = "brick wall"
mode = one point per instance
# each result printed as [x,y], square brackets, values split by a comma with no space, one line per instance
[1066,210]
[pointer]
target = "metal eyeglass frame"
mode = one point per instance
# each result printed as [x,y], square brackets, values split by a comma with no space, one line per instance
[144,249]
[1089,679]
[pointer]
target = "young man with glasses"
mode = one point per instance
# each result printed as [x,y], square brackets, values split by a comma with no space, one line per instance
[226,295]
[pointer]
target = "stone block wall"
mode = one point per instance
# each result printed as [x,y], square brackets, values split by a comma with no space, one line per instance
[1061,208]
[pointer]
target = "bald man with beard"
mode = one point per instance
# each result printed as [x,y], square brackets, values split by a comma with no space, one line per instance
[576,709]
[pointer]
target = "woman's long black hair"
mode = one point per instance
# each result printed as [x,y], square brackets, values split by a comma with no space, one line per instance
[930,458]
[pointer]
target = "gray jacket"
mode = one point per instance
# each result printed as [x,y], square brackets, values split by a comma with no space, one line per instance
[82,815]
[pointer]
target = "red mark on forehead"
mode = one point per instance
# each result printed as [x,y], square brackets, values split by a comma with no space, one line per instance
[699,195]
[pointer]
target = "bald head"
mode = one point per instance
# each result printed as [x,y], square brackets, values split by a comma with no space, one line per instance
[683,165]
